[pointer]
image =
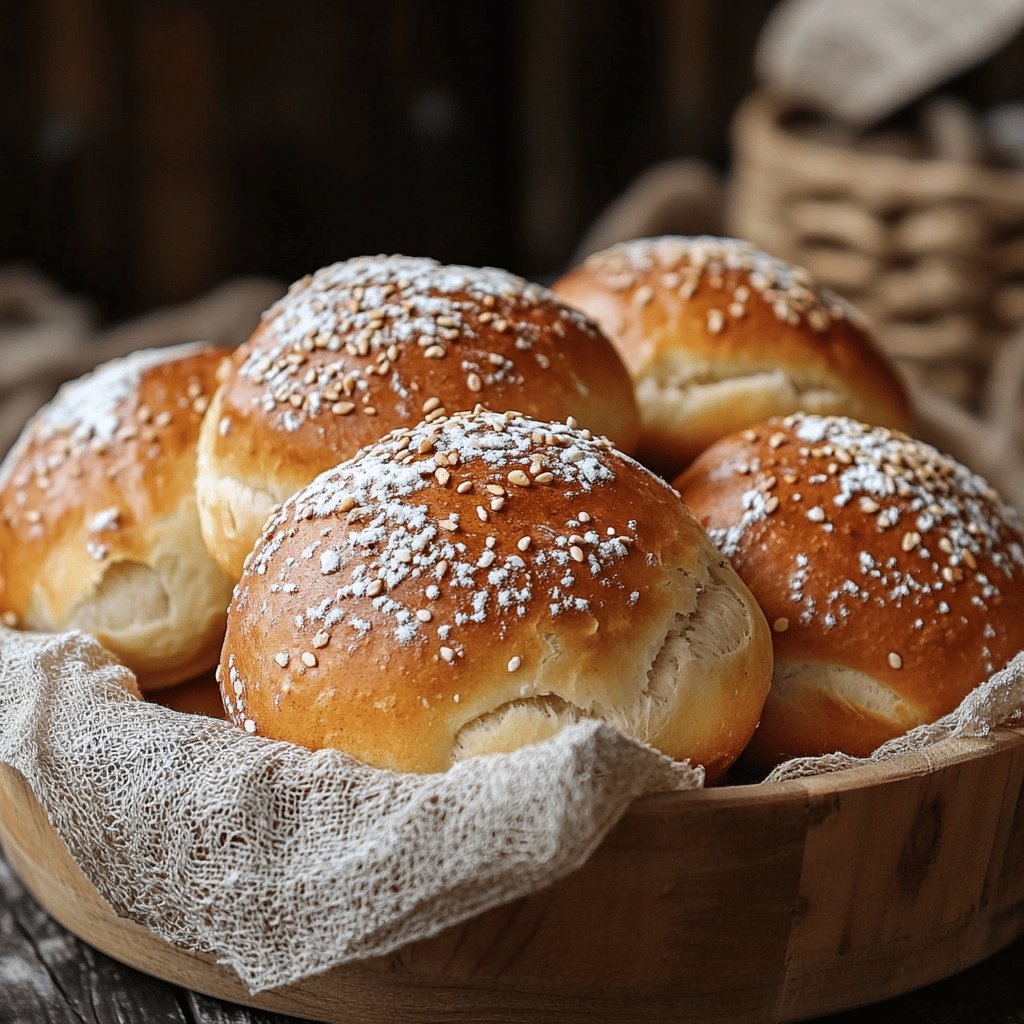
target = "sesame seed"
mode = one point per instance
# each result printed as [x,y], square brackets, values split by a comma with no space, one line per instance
[771,505]
[163,419]
[895,661]
[583,517]
[249,725]
[523,543]
[442,476]
[482,514]
[776,440]
[282,658]
[434,352]
[431,404]
[309,659]
[448,654]
[816,514]
[781,625]
[474,382]
[576,553]
[544,478]
[9,619]
[322,639]
[465,487]
[910,540]
[448,524]
[716,321]
[342,408]
[424,614]
[497,504]
[514,662]
[519,478]
[495,489]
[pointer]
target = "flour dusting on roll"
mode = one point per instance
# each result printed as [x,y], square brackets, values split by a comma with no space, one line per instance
[374,343]
[98,523]
[719,335]
[892,575]
[471,584]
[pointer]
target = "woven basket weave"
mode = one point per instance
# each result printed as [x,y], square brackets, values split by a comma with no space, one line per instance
[931,250]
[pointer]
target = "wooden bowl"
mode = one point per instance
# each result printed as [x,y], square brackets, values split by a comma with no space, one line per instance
[753,903]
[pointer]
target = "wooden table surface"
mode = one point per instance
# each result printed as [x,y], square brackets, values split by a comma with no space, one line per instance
[47,976]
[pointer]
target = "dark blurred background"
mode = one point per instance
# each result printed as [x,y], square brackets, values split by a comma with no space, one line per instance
[152,149]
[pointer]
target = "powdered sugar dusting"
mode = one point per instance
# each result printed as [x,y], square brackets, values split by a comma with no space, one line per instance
[89,409]
[685,264]
[930,530]
[391,549]
[342,333]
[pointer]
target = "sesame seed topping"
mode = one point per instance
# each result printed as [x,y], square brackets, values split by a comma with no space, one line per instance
[519,478]
[321,639]
[895,661]
[249,725]
[514,662]
[448,654]
[309,659]
[282,658]
[780,625]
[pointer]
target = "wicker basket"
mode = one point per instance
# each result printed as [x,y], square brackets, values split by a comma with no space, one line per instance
[931,250]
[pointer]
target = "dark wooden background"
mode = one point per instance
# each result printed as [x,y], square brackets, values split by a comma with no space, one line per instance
[153,148]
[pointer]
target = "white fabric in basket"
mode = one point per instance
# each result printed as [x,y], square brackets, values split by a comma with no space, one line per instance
[279,861]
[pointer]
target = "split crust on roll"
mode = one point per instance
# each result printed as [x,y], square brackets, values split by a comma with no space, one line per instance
[98,523]
[473,584]
[718,335]
[893,576]
[362,347]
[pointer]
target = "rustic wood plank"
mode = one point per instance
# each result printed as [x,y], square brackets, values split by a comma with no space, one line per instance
[47,976]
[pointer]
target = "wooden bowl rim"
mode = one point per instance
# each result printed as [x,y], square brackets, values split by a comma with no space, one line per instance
[943,753]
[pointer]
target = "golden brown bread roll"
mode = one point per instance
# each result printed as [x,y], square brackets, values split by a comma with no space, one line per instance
[893,576]
[471,585]
[98,523]
[379,342]
[719,335]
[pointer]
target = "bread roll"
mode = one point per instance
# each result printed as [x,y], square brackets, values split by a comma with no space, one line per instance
[719,335]
[379,342]
[98,522]
[893,576]
[472,584]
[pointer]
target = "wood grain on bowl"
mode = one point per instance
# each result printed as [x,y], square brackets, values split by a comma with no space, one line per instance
[754,903]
